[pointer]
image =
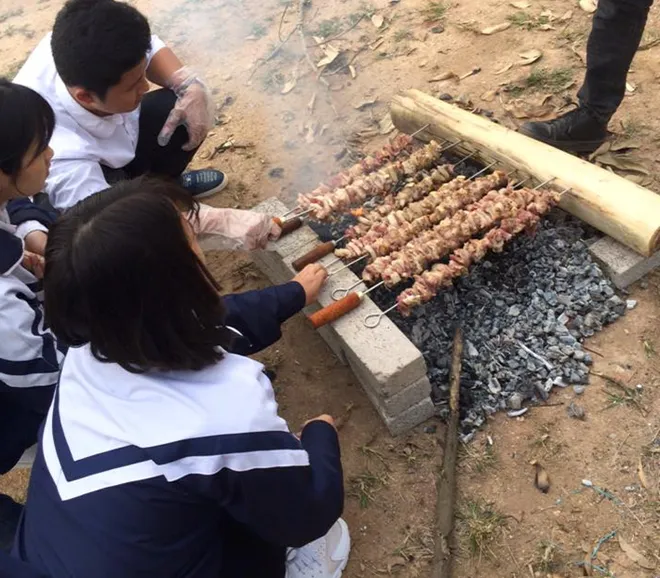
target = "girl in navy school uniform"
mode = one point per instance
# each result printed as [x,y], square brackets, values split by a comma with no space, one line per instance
[163,454]
[30,356]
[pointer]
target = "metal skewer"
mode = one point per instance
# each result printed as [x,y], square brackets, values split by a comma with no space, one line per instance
[413,135]
[349,265]
[482,171]
[341,292]
[377,317]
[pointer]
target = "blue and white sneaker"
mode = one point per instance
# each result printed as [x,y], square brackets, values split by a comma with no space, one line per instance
[204,183]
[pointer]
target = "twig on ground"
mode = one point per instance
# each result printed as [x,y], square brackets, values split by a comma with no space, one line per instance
[279,30]
[336,36]
[341,420]
[446,475]
[301,31]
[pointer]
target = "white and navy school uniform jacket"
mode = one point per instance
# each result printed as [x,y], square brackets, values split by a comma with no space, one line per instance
[30,357]
[187,474]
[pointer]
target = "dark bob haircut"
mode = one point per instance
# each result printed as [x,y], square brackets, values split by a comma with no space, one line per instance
[25,119]
[95,42]
[121,277]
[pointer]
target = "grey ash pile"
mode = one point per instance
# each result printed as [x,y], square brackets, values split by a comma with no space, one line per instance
[524,314]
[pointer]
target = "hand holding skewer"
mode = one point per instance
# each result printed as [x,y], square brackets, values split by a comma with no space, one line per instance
[312,278]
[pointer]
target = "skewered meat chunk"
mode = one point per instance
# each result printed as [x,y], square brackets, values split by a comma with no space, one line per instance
[400,144]
[400,227]
[429,283]
[378,183]
[451,233]
[413,191]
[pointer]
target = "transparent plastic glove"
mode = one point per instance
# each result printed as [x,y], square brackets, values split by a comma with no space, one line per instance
[235,229]
[194,109]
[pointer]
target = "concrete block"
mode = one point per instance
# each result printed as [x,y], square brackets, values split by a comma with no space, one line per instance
[406,398]
[623,265]
[410,418]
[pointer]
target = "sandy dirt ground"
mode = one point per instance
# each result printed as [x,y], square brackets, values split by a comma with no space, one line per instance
[293,129]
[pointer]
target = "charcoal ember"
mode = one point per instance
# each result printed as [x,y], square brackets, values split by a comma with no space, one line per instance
[542,291]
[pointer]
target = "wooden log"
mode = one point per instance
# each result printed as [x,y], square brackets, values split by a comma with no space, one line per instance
[614,205]
[446,478]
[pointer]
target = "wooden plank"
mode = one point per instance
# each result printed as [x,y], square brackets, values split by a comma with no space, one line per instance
[614,205]
[446,476]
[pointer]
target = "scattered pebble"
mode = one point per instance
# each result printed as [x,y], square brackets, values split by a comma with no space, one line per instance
[515,401]
[631,304]
[575,411]
[579,389]
[430,429]
[518,412]
[644,284]
[276,173]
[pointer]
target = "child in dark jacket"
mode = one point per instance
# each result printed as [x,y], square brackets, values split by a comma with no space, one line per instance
[163,453]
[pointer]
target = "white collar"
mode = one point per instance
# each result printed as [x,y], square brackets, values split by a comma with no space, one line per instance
[98,126]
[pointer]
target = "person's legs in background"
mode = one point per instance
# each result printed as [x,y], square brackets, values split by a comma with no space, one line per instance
[169,160]
[616,32]
[19,429]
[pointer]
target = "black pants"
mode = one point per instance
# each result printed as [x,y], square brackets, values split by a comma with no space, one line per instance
[19,428]
[151,158]
[617,30]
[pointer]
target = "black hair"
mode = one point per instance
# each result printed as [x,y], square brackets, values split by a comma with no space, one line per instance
[26,118]
[95,42]
[122,277]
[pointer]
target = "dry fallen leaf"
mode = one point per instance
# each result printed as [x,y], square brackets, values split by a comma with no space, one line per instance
[641,180]
[601,150]
[520,5]
[311,104]
[630,87]
[635,556]
[385,124]
[542,480]
[365,103]
[489,95]
[521,109]
[623,163]
[530,56]
[581,54]
[624,145]
[642,474]
[505,68]
[289,86]
[566,16]
[449,75]
[589,5]
[497,28]
[377,20]
[331,54]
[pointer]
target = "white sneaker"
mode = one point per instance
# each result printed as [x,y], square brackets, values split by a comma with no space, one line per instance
[324,558]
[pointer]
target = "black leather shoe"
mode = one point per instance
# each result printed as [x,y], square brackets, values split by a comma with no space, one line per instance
[577,131]
[10,512]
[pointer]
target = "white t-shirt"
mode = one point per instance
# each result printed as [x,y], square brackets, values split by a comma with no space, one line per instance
[82,141]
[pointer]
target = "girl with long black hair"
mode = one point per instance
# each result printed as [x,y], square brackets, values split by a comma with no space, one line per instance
[30,356]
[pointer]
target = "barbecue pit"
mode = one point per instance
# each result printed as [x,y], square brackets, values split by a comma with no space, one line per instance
[392,370]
